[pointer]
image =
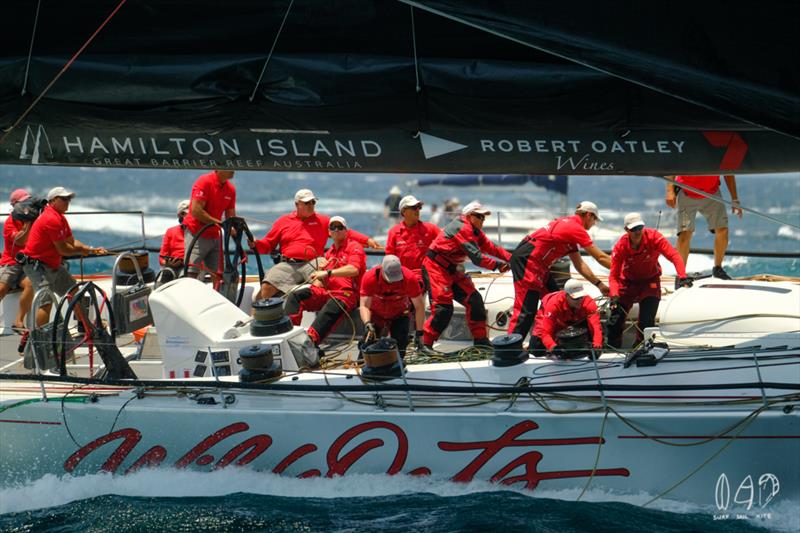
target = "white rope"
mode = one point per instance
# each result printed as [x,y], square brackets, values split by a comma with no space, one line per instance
[30,49]
[271,50]
[414,45]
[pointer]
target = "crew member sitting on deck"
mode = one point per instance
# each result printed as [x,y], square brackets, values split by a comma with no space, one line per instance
[170,257]
[636,276]
[334,287]
[301,237]
[386,291]
[49,242]
[536,253]
[12,276]
[444,263]
[560,310]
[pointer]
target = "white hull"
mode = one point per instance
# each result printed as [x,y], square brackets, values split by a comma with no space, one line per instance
[648,440]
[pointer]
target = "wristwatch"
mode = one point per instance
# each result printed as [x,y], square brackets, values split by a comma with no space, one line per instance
[330,273]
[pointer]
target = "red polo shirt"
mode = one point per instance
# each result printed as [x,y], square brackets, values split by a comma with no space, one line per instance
[10,229]
[390,300]
[409,244]
[556,314]
[219,197]
[629,265]
[49,228]
[301,239]
[709,184]
[172,245]
[349,253]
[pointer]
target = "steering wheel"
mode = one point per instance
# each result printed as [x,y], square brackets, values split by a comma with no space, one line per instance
[227,279]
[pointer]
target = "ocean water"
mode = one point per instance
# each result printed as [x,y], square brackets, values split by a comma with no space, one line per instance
[243,500]
[263,196]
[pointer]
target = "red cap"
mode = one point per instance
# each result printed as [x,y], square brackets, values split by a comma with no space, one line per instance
[18,195]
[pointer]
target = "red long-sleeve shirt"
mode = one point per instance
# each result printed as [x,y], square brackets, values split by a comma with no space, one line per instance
[410,244]
[640,264]
[556,314]
[172,245]
[460,240]
[302,239]
[348,253]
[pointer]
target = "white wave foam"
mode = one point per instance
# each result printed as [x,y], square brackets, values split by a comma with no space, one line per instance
[53,491]
[789,233]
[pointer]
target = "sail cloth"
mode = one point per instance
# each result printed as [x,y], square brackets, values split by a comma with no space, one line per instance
[434,86]
[557,184]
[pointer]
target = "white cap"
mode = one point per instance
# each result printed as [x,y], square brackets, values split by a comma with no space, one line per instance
[304,195]
[395,190]
[408,201]
[633,220]
[183,207]
[475,207]
[57,192]
[589,207]
[574,289]
[338,219]
[391,268]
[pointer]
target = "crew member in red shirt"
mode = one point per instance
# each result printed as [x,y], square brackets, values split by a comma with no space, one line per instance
[444,263]
[386,291]
[15,235]
[710,205]
[636,276]
[536,253]
[334,288]
[570,307]
[300,236]
[49,242]
[213,195]
[172,245]
[410,239]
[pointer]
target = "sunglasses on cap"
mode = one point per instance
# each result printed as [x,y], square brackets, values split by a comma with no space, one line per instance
[336,227]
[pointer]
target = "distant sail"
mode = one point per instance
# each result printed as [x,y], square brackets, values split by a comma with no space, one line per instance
[552,183]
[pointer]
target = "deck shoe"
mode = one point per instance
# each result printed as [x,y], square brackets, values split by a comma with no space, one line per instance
[427,349]
[718,272]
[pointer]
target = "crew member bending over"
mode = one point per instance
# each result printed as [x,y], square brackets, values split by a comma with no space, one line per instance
[536,253]
[560,310]
[386,291]
[461,238]
[334,288]
[15,235]
[636,276]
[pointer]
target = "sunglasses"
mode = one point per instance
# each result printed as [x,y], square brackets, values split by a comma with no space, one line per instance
[67,199]
[414,207]
[310,202]
[637,229]
[336,228]
[479,216]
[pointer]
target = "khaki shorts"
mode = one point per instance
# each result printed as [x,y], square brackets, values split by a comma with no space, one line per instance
[284,276]
[11,276]
[714,212]
[205,251]
[60,281]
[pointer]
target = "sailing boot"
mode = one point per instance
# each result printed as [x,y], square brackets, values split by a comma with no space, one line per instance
[718,272]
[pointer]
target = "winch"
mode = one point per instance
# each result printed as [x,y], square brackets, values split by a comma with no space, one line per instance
[381,360]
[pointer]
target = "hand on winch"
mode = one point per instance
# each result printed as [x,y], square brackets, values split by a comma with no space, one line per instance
[685,282]
[615,312]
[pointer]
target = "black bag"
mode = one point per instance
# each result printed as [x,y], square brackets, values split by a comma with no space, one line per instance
[28,210]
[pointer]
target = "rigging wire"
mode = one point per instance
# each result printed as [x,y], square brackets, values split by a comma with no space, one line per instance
[721,200]
[414,46]
[66,67]
[30,49]
[271,50]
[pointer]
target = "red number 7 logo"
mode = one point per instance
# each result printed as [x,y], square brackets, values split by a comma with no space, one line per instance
[735,148]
